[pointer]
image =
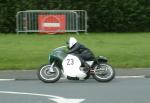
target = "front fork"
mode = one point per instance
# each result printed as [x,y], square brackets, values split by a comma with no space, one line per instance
[51,67]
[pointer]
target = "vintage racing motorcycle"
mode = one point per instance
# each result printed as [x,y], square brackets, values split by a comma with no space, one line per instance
[69,66]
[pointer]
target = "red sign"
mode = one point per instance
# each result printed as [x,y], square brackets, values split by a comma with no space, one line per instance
[52,24]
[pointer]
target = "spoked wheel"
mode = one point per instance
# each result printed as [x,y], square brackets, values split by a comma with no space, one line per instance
[103,73]
[49,74]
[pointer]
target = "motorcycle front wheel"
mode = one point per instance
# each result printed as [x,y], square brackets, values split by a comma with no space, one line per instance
[49,74]
[103,73]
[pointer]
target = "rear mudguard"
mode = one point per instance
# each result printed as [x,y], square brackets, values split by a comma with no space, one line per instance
[102,59]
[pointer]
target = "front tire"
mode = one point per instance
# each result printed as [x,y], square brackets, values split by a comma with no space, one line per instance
[44,74]
[103,73]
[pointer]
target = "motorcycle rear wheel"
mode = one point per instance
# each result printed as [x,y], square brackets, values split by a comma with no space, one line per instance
[44,74]
[103,73]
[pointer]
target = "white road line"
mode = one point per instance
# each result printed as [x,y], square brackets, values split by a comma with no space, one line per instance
[57,99]
[140,76]
[7,79]
[63,78]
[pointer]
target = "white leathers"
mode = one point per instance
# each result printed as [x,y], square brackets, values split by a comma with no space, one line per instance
[72,42]
[71,66]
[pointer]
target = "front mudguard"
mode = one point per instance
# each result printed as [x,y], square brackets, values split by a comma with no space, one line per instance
[58,62]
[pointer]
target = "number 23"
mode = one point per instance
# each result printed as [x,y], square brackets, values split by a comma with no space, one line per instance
[70,61]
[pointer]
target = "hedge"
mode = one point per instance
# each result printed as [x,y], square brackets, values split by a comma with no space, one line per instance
[104,15]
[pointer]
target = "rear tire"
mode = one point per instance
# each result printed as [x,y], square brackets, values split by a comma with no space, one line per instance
[46,76]
[103,73]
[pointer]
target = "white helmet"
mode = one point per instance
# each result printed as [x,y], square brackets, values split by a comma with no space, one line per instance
[72,41]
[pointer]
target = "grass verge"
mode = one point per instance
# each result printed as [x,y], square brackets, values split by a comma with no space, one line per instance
[125,50]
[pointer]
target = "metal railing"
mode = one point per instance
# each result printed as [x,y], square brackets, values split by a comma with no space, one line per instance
[51,21]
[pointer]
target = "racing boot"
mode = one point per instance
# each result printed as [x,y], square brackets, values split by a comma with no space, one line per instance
[86,67]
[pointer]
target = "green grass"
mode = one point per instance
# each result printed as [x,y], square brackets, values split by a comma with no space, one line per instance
[126,50]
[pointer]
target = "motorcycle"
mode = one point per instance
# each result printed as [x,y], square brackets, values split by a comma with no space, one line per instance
[70,66]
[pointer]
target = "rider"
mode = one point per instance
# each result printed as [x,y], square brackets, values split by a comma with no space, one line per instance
[81,51]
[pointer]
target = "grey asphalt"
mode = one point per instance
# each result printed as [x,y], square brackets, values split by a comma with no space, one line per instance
[31,74]
[64,91]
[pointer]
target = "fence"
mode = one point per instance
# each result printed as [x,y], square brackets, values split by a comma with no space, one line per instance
[51,21]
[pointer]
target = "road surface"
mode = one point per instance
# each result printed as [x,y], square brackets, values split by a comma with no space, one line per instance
[125,90]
